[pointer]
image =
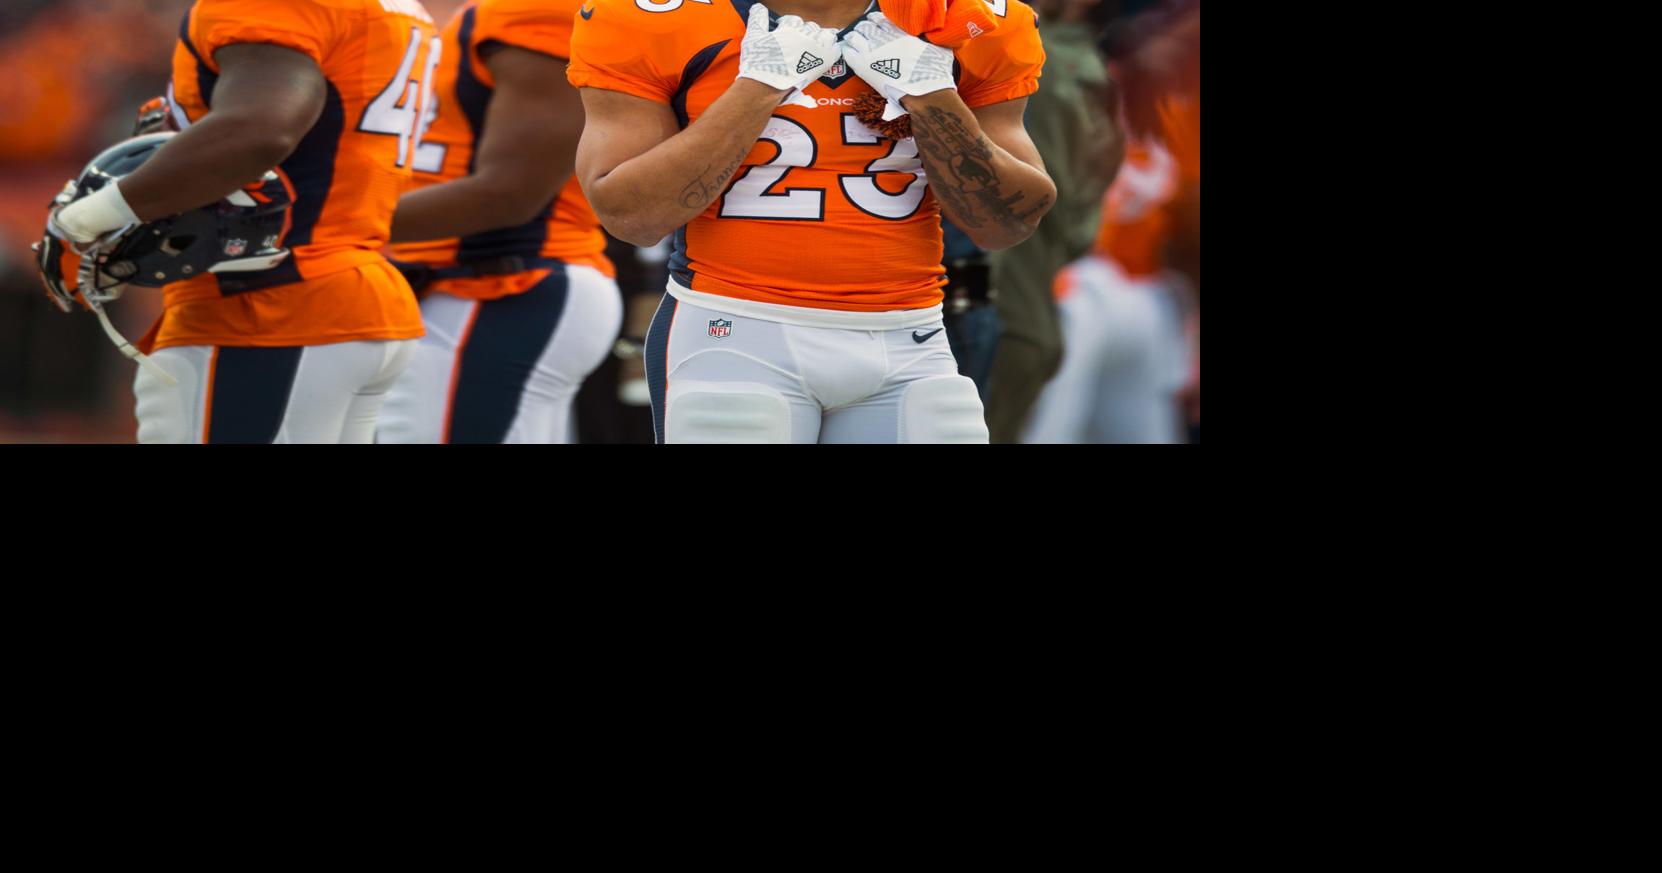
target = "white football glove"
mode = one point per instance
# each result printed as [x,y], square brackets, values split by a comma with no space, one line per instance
[896,63]
[97,217]
[788,57]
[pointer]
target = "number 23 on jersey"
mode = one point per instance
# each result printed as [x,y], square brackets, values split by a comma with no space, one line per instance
[753,194]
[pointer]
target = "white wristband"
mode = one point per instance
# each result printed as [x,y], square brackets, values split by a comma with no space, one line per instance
[93,216]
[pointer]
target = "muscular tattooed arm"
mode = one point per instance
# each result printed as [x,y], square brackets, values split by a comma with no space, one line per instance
[984,169]
[985,172]
[644,176]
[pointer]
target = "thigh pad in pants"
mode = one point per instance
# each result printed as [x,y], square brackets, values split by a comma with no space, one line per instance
[726,412]
[942,409]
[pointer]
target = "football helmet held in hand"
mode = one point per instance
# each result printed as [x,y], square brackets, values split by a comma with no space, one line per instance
[241,233]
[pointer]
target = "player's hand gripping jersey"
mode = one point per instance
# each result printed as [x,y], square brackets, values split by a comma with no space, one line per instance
[345,175]
[567,229]
[825,213]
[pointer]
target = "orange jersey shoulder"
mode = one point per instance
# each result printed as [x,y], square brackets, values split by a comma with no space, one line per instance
[309,28]
[643,47]
[536,25]
[315,28]
[1005,64]
[1136,226]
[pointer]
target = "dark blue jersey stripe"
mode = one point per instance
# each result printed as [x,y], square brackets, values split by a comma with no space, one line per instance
[206,78]
[474,97]
[695,68]
[508,339]
[657,361]
[250,393]
[311,170]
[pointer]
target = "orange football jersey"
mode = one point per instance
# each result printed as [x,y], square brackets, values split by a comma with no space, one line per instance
[1136,224]
[567,229]
[824,213]
[346,175]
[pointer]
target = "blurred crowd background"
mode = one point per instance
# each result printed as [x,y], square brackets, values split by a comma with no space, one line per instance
[1089,334]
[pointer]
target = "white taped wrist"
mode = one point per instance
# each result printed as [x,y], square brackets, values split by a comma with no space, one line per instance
[93,216]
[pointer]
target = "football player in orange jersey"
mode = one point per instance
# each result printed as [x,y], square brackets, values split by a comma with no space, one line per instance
[1125,358]
[518,296]
[327,93]
[1121,308]
[805,300]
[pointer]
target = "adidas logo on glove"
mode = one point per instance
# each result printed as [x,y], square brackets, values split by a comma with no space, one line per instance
[807,63]
[890,68]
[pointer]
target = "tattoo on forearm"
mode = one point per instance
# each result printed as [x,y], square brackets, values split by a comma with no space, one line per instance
[971,192]
[704,187]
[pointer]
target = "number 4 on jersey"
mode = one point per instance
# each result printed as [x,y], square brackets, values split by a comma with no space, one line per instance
[406,107]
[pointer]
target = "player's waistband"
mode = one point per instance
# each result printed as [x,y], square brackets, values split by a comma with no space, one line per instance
[505,266]
[421,276]
[807,316]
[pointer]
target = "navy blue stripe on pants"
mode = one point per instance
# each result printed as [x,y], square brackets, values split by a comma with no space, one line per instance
[250,393]
[657,361]
[508,339]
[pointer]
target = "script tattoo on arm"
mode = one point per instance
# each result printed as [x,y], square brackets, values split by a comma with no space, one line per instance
[970,189]
[705,188]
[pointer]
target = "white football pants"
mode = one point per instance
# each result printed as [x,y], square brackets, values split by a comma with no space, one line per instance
[1123,361]
[298,394]
[720,377]
[505,370]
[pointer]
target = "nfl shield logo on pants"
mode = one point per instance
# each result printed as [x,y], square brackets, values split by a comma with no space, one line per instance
[721,329]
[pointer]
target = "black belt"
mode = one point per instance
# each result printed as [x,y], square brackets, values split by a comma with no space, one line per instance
[507,266]
[421,275]
[969,284]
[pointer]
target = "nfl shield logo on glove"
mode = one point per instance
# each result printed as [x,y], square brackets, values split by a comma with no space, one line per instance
[721,329]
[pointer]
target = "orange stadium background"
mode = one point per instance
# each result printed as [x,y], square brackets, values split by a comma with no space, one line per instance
[64,100]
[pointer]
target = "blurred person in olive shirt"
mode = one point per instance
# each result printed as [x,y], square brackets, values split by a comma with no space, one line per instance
[1072,121]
